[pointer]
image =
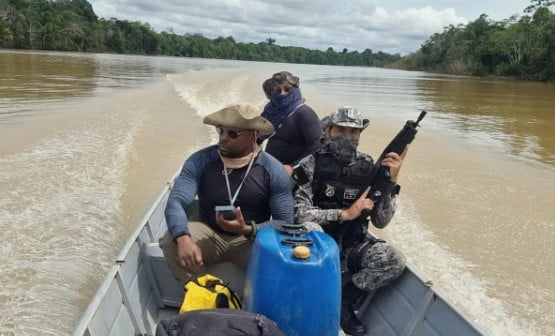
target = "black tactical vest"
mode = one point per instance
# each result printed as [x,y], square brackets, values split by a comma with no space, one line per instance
[337,187]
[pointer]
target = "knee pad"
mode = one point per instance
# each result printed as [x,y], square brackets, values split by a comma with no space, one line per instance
[382,256]
[380,264]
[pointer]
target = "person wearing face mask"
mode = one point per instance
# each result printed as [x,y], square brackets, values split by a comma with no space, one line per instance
[329,193]
[297,127]
[239,189]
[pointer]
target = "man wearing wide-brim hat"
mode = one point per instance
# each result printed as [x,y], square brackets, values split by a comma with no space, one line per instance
[329,192]
[239,189]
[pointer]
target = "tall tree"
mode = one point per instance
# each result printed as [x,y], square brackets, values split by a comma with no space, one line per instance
[535,4]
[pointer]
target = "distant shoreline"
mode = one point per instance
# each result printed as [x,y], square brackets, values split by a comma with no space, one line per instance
[518,47]
[511,78]
[73,26]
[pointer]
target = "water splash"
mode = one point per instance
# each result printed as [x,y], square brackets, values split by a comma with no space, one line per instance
[454,276]
[60,216]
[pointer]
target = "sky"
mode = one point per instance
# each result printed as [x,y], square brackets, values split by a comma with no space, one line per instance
[399,26]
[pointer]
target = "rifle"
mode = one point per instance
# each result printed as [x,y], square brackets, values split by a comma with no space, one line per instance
[380,175]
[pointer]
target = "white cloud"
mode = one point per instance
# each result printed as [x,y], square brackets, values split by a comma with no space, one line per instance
[353,24]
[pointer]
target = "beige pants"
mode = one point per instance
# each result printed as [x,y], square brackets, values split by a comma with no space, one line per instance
[215,247]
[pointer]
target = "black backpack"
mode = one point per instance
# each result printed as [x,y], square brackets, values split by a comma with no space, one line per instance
[220,321]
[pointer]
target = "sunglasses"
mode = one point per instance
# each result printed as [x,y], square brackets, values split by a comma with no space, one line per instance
[230,133]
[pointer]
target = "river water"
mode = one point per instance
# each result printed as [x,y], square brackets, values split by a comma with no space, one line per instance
[88,140]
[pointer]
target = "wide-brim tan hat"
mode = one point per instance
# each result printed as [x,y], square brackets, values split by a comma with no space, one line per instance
[242,115]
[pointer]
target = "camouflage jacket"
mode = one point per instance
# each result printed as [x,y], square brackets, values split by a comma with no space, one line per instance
[307,211]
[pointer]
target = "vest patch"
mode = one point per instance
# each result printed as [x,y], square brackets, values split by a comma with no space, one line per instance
[330,190]
[350,193]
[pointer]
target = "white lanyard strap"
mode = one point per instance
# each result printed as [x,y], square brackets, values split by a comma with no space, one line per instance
[232,199]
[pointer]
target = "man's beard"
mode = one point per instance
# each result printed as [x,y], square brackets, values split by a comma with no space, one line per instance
[230,155]
[233,153]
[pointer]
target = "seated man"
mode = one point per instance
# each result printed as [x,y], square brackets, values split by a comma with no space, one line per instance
[329,192]
[297,126]
[233,173]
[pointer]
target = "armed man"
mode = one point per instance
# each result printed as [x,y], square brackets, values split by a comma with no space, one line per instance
[333,191]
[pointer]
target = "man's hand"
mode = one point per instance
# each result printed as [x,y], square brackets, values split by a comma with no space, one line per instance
[237,225]
[288,170]
[188,252]
[394,162]
[361,204]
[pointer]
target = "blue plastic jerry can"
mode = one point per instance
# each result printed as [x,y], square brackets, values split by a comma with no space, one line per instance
[294,278]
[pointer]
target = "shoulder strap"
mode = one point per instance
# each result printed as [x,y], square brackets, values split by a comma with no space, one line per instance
[294,110]
[235,299]
[299,175]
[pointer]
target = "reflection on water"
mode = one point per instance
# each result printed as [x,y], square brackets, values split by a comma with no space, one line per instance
[372,90]
[39,76]
[511,117]
[30,82]
[514,117]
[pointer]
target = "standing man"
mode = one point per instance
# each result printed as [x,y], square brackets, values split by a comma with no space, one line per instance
[329,193]
[233,174]
[297,127]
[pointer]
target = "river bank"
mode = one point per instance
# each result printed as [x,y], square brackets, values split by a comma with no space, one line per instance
[521,46]
[462,74]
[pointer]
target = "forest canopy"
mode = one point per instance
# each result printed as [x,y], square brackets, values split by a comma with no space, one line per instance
[522,47]
[72,25]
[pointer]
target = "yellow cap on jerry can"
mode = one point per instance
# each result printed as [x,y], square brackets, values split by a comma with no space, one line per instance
[301,252]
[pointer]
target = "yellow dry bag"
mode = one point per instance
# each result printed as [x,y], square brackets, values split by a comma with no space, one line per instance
[206,292]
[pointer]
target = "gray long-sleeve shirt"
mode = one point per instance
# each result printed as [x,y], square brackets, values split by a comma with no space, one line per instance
[267,178]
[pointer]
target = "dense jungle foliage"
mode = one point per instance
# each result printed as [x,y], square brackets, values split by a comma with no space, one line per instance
[522,47]
[72,25]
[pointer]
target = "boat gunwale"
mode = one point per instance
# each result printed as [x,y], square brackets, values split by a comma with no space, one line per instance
[94,304]
[92,308]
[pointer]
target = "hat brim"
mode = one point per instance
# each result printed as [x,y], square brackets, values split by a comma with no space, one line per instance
[365,123]
[231,117]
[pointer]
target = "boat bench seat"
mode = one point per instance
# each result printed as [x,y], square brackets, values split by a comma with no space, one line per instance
[169,291]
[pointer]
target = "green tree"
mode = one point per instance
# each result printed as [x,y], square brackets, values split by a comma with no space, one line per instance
[521,47]
[536,4]
[72,25]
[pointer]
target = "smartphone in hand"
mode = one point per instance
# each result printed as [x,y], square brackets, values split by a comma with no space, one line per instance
[228,211]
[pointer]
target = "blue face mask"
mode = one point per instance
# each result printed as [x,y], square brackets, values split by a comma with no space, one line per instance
[279,107]
[286,102]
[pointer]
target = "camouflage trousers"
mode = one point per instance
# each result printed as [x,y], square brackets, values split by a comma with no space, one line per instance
[377,265]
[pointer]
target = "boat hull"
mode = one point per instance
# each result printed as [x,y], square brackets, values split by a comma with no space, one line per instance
[139,291]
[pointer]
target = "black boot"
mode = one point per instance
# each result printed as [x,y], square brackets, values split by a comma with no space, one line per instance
[349,321]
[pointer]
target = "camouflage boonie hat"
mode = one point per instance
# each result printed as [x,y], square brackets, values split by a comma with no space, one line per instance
[283,77]
[347,116]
